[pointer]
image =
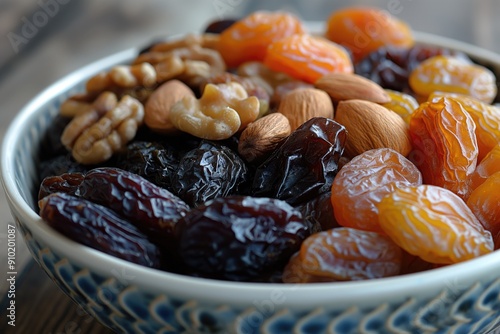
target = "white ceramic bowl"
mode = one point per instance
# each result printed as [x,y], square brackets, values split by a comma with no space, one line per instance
[461,298]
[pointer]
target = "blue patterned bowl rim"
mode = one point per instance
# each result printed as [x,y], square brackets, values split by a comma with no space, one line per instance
[387,289]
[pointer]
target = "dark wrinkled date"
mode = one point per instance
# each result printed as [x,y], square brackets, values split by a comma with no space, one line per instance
[151,208]
[239,238]
[304,165]
[98,227]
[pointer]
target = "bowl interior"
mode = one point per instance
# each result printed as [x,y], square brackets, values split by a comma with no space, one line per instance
[20,180]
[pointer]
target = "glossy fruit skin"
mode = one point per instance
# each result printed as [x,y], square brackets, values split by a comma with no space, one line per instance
[60,164]
[487,167]
[304,165]
[98,227]
[307,58]
[484,202]
[433,223]
[152,209]
[67,183]
[391,66]
[248,38]
[402,104]
[364,181]
[239,238]
[294,272]
[151,160]
[209,171]
[363,30]
[485,116]
[444,144]
[348,254]
[318,213]
[451,74]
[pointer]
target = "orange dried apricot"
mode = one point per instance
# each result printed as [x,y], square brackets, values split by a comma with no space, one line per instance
[402,104]
[486,117]
[363,30]
[248,38]
[364,181]
[487,167]
[453,74]
[444,144]
[295,272]
[306,57]
[433,223]
[348,254]
[484,202]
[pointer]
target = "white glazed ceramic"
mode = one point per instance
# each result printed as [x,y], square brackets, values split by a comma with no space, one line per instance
[461,298]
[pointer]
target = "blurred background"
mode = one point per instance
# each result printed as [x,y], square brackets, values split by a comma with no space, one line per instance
[43,40]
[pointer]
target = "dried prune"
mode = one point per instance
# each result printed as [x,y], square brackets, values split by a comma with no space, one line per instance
[153,209]
[66,183]
[390,67]
[318,213]
[60,165]
[207,172]
[98,227]
[51,145]
[217,27]
[304,165]
[239,238]
[151,160]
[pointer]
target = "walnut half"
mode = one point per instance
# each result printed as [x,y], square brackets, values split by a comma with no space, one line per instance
[94,136]
[221,111]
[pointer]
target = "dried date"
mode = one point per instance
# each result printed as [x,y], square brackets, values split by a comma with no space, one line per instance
[239,238]
[304,165]
[98,227]
[67,183]
[151,208]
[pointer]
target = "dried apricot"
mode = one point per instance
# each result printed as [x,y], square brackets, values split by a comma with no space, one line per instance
[294,272]
[363,30]
[308,58]
[348,254]
[248,38]
[487,167]
[433,223]
[484,202]
[402,104]
[486,117]
[455,75]
[444,144]
[364,181]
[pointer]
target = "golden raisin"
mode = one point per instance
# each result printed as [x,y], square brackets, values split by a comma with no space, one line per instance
[402,104]
[485,116]
[348,254]
[455,75]
[487,167]
[248,38]
[364,181]
[444,144]
[484,202]
[433,223]
[363,30]
[306,57]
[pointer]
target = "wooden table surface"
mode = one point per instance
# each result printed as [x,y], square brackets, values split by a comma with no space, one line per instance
[120,24]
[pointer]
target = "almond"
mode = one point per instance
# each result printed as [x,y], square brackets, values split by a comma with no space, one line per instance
[262,136]
[300,105]
[157,107]
[349,86]
[370,125]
